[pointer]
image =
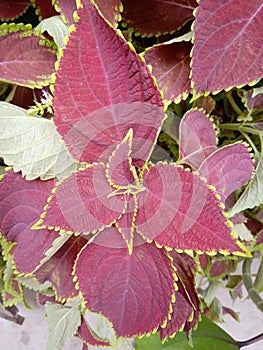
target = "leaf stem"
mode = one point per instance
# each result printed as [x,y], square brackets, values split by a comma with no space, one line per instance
[233,103]
[240,128]
[248,283]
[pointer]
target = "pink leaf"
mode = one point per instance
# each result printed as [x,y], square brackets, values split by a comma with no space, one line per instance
[113,85]
[133,291]
[81,203]
[155,17]
[111,10]
[58,269]
[228,169]
[171,68]
[87,336]
[227,44]
[12,10]
[24,60]
[197,138]
[180,211]
[21,203]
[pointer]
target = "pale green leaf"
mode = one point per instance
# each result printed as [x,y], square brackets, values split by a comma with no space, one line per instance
[253,194]
[100,326]
[33,283]
[63,323]
[31,144]
[55,28]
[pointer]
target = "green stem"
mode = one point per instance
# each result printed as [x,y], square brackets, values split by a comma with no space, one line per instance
[233,103]
[240,128]
[258,284]
[248,283]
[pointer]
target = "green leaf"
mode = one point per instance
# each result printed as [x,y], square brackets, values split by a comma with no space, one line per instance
[207,336]
[63,323]
[253,194]
[32,145]
[55,28]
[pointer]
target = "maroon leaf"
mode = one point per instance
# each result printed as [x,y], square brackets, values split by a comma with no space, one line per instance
[45,8]
[133,291]
[10,10]
[67,8]
[207,103]
[87,336]
[180,211]
[26,59]
[155,17]
[113,85]
[81,203]
[21,203]
[227,44]
[220,268]
[186,307]
[171,67]
[58,269]
[111,10]
[228,169]
[23,96]
[197,138]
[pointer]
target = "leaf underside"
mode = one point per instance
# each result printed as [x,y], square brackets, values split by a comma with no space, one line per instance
[226,53]
[197,138]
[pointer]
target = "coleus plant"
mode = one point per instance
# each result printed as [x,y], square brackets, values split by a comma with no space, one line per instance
[119,232]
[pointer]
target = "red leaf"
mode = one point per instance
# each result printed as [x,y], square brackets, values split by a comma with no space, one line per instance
[24,60]
[180,211]
[111,10]
[155,17]
[228,169]
[171,68]
[67,8]
[119,169]
[113,85]
[12,10]
[21,203]
[186,306]
[45,8]
[58,269]
[81,203]
[227,44]
[85,334]
[133,291]
[197,138]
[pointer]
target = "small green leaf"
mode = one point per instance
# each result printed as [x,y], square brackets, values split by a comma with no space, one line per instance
[63,323]
[55,28]
[207,336]
[31,144]
[253,194]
